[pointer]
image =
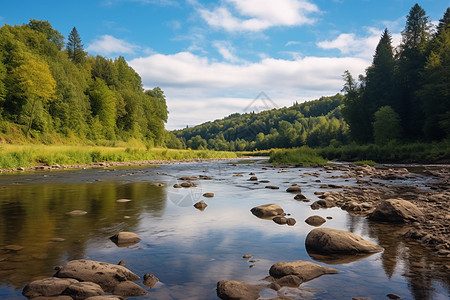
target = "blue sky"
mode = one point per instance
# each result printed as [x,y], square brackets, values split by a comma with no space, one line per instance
[212,58]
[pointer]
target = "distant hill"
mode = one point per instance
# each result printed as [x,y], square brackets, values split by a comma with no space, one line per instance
[312,123]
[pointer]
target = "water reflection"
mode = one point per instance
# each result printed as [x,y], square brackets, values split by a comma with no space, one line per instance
[190,250]
[34,216]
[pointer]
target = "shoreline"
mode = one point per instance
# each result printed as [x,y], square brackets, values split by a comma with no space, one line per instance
[107,164]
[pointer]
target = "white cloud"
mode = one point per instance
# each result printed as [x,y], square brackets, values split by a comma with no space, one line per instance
[290,43]
[258,15]
[359,46]
[107,44]
[226,50]
[199,89]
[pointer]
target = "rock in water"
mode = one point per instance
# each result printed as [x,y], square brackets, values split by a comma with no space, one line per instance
[104,274]
[294,189]
[150,280]
[315,220]
[267,210]
[83,290]
[208,195]
[129,289]
[201,205]
[333,241]
[124,239]
[396,210]
[305,270]
[47,287]
[236,290]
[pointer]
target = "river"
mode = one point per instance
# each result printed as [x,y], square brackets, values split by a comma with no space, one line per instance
[191,250]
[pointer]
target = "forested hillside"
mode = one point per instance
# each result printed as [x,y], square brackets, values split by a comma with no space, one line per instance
[51,91]
[313,123]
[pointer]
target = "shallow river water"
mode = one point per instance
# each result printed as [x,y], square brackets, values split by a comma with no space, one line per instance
[190,250]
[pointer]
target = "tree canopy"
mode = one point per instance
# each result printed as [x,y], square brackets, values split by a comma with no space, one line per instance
[47,89]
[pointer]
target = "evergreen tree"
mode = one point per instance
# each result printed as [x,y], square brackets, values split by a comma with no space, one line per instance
[411,61]
[75,47]
[434,94]
[380,75]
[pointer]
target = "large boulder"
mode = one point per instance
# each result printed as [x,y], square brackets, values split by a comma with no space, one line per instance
[267,210]
[396,210]
[333,241]
[124,239]
[305,270]
[47,287]
[104,274]
[236,290]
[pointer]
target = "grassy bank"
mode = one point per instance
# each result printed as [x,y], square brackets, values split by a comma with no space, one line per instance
[392,152]
[13,156]
[366,154]
[303,155]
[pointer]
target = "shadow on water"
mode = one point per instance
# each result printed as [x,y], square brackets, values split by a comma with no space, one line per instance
[34,216]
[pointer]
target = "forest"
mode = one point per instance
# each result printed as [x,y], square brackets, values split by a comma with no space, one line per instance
[52,91]
[403,97]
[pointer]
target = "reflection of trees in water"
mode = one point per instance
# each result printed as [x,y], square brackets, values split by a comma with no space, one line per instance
[32,215]
[421,266]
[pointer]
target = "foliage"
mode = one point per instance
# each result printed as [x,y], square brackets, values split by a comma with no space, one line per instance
[415,83]
[312,123]
[65,95]
[391,152]
[386,127]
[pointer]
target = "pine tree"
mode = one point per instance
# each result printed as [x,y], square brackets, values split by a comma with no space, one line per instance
[411,61]
[380,75]
[74,47]
[434,94]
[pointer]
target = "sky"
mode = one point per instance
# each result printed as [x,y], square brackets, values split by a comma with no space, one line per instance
[215,58]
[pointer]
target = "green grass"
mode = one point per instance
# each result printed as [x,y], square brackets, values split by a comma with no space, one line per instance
[392,152]
[365,162]
[303,155]
[13,156]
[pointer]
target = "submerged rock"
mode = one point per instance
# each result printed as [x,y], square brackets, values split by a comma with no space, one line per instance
[77,212]
[124,239]
[304,270]
[104,274]
[267,210]
[396,210]
[208,195]
[333,241]
[236,290]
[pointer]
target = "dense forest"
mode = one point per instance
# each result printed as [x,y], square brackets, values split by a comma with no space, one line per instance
[313,123]
[54,91]
[403,97]
[405,93]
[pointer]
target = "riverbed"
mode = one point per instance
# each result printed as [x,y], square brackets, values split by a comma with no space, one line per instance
[190,250]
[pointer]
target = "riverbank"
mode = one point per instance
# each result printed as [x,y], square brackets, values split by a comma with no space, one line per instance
[30,157]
